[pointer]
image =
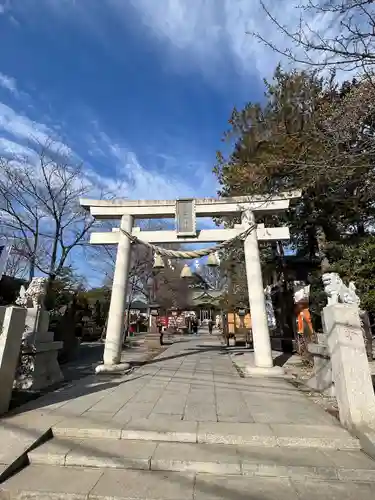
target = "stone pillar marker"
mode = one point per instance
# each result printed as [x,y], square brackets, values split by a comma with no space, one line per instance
[350,368]
[113,343]
[261,336]
[11,331]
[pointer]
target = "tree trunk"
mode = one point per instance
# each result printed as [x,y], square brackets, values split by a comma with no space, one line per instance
[322,248]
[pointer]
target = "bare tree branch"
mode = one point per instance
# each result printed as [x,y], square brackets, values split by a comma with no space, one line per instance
[348,43]
[40,207]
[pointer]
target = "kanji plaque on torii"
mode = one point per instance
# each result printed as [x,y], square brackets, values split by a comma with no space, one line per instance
[185,217]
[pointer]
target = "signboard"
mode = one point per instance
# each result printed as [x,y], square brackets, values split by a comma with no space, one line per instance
[5,247]
[185,217]
[164,321]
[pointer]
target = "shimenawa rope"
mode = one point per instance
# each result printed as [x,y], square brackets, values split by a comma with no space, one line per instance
[193,254]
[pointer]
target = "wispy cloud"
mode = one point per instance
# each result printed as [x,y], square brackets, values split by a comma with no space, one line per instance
[129,178]
[119,170]
[11,148]
[23,128]
[8,82]
[3,8]
[212,30]
[212,35]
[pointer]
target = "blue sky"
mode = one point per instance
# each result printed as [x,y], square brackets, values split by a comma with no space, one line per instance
[140,90]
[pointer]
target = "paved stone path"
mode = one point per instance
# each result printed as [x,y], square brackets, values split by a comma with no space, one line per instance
[183,426]
[195,380]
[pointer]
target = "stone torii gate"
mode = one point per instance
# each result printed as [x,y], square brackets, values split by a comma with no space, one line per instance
[185,212]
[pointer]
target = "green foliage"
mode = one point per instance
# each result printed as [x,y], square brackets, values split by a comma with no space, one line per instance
[233,269]
[307,136]
[319,137]
[355,261]
[62,289]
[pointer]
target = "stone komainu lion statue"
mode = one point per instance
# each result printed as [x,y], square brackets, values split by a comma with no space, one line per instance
[34,295]
[337,291]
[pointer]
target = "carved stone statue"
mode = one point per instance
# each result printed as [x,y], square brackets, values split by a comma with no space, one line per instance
[338,292]
[34,295]
[22,299]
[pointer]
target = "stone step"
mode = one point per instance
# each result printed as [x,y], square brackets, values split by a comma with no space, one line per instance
[314,436]
[217,459]
[58,483]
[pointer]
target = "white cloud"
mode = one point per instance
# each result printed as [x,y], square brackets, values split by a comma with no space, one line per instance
[129,178]
[24,129]
[13,148]
[212,35]
[210,30]
[8,82]
[123,175]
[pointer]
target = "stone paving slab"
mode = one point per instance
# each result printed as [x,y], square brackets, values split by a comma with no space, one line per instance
[213,459]
[318,436]
[87,427]
[241,488]
[112,454]
[53,452]
[58,483]
[236,433]
[217,459]
[18,435]
[124,485]
[333,490]
[103,453]
[41,482]
[159,429]
[303,463]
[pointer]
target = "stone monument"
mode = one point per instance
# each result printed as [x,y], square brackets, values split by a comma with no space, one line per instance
[38,367]
[12,323]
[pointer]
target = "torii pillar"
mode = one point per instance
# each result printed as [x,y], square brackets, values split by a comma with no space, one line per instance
[263,360]
[115,326]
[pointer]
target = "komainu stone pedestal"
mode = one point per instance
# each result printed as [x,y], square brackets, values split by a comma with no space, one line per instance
[44,367]
[39,366]
[350,368]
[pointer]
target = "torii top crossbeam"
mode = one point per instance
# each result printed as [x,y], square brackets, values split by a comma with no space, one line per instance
[204,207]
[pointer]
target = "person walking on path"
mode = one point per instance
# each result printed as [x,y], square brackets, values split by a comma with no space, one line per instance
[195,326]
[161,332]
[210,326]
